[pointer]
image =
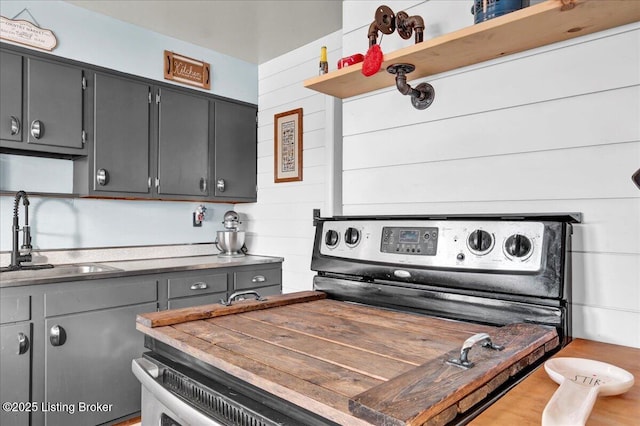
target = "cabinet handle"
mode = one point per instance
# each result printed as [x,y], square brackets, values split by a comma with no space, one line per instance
[220,184]
[102,177]
[199,286]
[37,129]
[203,184]
[240,296]
[23,343]
[258,279]
[57,335]
[15,125]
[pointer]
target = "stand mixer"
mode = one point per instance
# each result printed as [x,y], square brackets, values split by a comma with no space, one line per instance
[230,242]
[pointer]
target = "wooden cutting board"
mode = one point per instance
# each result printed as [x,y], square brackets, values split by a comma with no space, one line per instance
[353,364]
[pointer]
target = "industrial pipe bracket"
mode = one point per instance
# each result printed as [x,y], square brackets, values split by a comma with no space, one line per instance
[422,95]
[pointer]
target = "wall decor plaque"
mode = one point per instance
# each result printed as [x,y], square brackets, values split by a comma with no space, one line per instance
[26,33]
[187,70]
[287,146]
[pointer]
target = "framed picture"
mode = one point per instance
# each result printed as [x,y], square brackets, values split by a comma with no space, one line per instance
[287,146]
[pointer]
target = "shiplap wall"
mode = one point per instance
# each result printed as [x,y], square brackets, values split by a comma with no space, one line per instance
[548,130]
[280,223]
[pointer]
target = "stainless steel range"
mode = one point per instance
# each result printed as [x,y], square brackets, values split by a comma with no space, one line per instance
[481,299]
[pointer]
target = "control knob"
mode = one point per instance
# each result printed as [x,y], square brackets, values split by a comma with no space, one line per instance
[480,241]
[518,245]
[352,236]
[331,238]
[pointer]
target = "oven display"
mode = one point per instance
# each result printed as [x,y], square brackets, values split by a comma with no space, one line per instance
[413,241]
[409,236]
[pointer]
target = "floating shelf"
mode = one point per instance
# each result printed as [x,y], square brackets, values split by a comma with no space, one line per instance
[528,28]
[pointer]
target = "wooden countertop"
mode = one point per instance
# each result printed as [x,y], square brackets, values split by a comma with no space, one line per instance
[352,364]
[524,404]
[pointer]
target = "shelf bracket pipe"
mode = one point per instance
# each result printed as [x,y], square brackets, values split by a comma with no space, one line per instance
[422,95]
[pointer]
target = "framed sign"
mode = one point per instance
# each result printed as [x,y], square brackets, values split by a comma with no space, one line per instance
[24,32]
[287,146]
[187,70]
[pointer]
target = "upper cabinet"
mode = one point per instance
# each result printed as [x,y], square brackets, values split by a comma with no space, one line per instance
[535,26]
[11,99]
[46,114]
[121,138]
[235,151]
[128,137]
[155,141]
[183,144]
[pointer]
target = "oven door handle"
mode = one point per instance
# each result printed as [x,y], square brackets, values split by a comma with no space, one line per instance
[147,372]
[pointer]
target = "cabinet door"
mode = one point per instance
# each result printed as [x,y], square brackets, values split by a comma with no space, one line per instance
[15,371]
[235,150]
[54,104]
[92,363]
[11,99]
[121,135]
[183,144]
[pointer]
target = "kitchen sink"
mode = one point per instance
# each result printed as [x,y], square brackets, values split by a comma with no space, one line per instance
[56,272]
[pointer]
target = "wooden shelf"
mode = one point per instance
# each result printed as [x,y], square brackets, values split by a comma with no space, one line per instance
[525,29]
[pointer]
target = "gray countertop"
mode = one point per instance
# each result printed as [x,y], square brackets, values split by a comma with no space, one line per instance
[114,269]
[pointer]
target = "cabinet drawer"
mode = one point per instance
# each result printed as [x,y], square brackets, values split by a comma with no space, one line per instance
[257,278]
[15,308]
[99,295]
[187,302]
[198,284]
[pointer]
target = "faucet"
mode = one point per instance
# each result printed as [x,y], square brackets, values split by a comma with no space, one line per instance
[16,256]
[24,254]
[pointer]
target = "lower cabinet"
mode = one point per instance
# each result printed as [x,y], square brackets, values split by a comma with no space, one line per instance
[187,289]
[90,339]
[15,373]
[88,377]
[16,334]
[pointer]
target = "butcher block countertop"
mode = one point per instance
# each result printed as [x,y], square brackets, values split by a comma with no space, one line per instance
[523,405]
[352,364]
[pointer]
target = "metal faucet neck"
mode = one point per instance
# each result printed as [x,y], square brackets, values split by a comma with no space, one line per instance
[16,257]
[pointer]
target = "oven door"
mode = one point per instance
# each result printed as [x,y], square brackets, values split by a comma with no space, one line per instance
[159,405]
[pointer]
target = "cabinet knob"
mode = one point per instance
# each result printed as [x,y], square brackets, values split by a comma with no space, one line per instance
[37,129]
[57,335]
[220,184]
[203,184]
[102,177]
[15,125]
[23,343]
[258,279]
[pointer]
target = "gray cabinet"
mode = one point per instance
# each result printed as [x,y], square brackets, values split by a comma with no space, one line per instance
[121,137]
[148,142]
[235,151]
[55,100]
[46,113]
[15,359]
[188,289]
[91,338]
[91,363]
[183,144]
[11,99]
[15,373]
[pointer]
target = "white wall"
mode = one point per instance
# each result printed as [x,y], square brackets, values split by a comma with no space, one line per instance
[281,222]
[549,130]
[82,223]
